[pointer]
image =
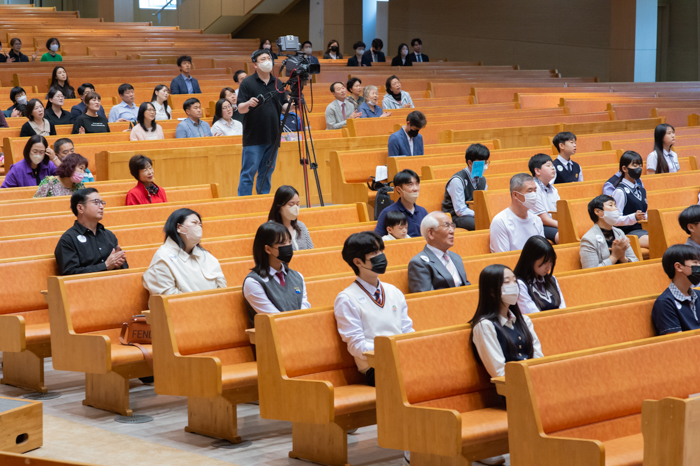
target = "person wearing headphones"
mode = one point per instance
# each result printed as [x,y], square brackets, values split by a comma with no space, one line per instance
[261,97]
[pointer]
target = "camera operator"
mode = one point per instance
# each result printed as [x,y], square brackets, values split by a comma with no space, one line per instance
[261,123]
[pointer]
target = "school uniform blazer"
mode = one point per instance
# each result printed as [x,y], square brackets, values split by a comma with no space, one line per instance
[367,57]
[594,250]
[352,61]
[426,272]
[179,86]
[412,57]
[398,144]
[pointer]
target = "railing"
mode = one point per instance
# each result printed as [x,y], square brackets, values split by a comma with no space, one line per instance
[161,10]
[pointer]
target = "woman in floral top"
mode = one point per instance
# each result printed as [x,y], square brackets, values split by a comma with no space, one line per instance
[68,179]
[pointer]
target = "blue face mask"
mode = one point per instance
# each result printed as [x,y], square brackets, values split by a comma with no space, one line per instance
[53,47]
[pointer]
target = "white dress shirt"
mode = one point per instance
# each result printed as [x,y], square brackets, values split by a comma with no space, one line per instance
[173,271]
[547,197]
[160,111]
[510,232]
[351,325]
[456,190]
[258,300]
[419,56]
[221,127]
[671,160]
[410,140]
[570,165]
[525,302]
[447,263]
[621,202]
[490,352]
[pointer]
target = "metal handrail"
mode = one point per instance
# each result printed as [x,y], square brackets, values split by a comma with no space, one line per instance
[164,7]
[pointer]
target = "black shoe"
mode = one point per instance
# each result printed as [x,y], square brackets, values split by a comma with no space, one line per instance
[146,379]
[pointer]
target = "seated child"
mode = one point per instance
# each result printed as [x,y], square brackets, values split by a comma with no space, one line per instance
[689,220]
[676,309]
[396,225]
[568,171]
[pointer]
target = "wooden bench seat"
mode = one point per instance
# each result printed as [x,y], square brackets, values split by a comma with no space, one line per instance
[604,429]
[203,353]
[591,142]
[670,431]
[21,194]
[664,230]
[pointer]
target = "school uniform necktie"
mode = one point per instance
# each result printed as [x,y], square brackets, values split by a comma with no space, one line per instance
[451,268]
[377,295]
[280,276]
[570,166]
[420,58]
[343,107]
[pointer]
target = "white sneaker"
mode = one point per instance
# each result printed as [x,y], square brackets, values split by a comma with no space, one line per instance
[406,458]
[493,461]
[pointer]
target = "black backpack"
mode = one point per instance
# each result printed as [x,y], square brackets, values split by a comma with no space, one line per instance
[382,201]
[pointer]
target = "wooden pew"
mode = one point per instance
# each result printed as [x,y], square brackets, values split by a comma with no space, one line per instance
[21,194]
[203,353]
[664,230]
[591,142]
[669,427]
[603,429]
[14,459]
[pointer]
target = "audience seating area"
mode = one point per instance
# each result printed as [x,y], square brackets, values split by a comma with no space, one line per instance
[585,403]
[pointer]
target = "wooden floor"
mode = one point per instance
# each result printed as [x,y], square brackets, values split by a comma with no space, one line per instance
[90,430]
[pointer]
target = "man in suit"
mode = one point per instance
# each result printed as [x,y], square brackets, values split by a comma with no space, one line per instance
[436,267]
[604,244]
[338,111]
[307,48]
[184,83]
[417,56]
[375,54]
[359,59]
[407,141]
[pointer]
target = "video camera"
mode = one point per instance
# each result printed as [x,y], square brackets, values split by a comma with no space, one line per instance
[297,65]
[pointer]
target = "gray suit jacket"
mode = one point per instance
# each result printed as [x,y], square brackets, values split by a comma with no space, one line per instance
[594,250]
[334,114]
[431,274]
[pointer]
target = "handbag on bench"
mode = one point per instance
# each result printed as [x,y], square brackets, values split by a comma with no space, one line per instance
[137,332]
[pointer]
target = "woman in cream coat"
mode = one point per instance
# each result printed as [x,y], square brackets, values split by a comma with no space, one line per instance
[181,265]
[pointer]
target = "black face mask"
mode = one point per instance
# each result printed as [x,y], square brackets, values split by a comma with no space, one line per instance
[635,173]
[334,49]
[285,253]
[694,276]
[412,132]
[379,264]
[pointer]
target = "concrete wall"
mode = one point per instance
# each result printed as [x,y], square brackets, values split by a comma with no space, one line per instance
[682,34]
[294,21]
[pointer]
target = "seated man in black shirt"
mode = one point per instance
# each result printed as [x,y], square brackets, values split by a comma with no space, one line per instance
[88,247]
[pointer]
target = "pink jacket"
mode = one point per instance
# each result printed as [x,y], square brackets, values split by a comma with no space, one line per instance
[139,134]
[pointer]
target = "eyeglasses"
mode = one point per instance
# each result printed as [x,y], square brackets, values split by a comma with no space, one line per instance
[38,153]
[97,202]
[449,225]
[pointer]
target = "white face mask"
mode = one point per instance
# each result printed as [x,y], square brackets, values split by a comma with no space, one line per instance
[193,233]
[611,217]
[359,51]
[36,158]
[22,100]
[404,52]
[308,50]
[510,293]
[54,47]
[266,66]
[530,200]
[290,213]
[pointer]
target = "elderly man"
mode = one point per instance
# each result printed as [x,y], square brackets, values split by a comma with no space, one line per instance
[513,226]
[338,111]
[436,267]
[87,246]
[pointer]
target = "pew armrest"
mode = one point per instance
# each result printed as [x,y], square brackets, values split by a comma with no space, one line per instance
[500,383]
[12,334]
[191,375]
[296,400]
[251,335]
[444,438]
[370,357]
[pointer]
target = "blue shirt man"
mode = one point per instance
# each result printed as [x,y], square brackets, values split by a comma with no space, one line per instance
[126,110]
[184,83]
[193,126]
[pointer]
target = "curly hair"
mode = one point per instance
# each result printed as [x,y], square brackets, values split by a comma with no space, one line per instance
[69,164]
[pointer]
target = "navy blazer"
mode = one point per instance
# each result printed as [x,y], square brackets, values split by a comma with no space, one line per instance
[178,86]
[398,144]
[412,57]
[352,61]
[367,57]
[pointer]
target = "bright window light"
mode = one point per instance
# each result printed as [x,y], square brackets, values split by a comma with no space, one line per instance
[157,4]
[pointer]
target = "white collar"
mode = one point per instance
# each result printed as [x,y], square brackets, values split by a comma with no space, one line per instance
[438,253]
[275,272]
[510,320]
[668,153]
[367,286]
[628,183]
[407,135]
[563,160]
[181,253]
[341,102]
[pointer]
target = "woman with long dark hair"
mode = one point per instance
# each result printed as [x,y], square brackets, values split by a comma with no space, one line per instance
[59,80]
[631,197]
[159,99]
[539,290]
[663,159]
[285,210]
[146,128]
[500,332]
[271,286]
[181,264]
[54,108]
[333,51]
[401,58]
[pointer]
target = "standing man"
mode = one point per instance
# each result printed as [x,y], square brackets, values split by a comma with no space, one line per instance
[417,56]
[184,83]
[375,54]
[126,110]
[88,247]
[340,110]
[261,124]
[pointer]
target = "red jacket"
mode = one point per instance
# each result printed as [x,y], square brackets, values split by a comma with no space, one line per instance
[138,195]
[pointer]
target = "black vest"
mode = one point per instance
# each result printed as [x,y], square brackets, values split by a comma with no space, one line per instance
[635,199]
[545,298]
[468,190]
[285,298]
[520,350]
[564,175]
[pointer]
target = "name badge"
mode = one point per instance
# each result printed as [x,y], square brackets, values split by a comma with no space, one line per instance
[425,258]
[82,239]
[361,299]
[297,290]
[560,168]
[600,239]
[393,308]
